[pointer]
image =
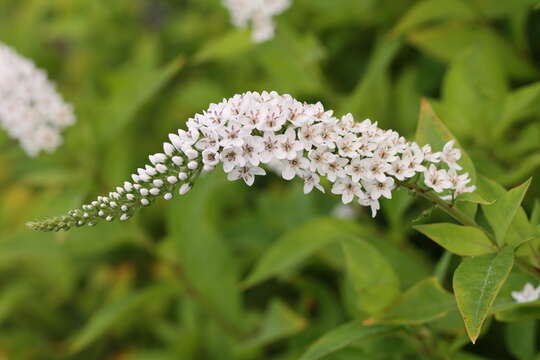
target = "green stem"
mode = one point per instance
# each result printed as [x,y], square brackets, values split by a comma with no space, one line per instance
[451,210]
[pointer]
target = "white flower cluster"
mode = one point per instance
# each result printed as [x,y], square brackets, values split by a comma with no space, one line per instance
[246,132]
[528,294]
[31,110]
[259,13]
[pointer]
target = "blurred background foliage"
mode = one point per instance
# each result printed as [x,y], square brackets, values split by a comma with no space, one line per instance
[176,282]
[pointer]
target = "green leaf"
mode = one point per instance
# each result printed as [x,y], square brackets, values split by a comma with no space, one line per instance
[296,246]
[474,89]
[520,338]
[343,336]
[461,240]
[476,283]
[133,88]
[113,313]
[501,214]
[520,312]
[371,95]
[519,104]
[424,302]
[431,130]
[373,278]
[279,322]
[228,45]
[195,243]
[429,11]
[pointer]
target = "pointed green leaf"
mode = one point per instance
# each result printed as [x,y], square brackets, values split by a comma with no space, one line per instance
[424,302]
[230,44]
[343,336]
[501,214]
[279,322]
[461,240]
[373,278]
[431,130]
[521,339]
[111,314]
[476,283]
[296,246]
[433,10]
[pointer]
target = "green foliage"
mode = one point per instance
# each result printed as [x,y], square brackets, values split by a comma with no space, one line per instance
[476,283]
[230,272]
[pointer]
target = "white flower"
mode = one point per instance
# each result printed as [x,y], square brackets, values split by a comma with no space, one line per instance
[451,156]
[377,189]
[210,157]
[269,147]
[293,166]
[335,169]
[311,180]
[233,135]
[232,157]
[259,13]
[436,179]
[529,293]
[247,173]
[31,111]
[376,169]
[367,200]
[251,150]
[288,146]
[347,188]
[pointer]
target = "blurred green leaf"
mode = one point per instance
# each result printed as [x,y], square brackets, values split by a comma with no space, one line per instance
[343,336]
[279,322]
[520,103]
[134,87]
[474,89]
[112,313]
[424,302]
[461,240]
[296,246]
[429,11]
[476,283]
[372,277]
[197,247]
[520,338]
[228,45]
[431,130]
[501,214]
[370,97]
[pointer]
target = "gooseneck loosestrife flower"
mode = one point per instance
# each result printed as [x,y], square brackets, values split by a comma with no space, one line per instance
[31,110]
[257,12]
[528,294]
[253,131]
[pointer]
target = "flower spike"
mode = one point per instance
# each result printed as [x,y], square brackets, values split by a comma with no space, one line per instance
[31,110]
[255,130]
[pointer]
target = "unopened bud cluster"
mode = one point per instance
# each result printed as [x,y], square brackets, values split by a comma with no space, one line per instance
[254,130]
[31,110]
[257,12]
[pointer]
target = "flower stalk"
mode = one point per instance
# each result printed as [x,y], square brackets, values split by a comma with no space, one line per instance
[251,132]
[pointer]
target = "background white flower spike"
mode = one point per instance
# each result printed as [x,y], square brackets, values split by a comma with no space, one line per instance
[257,12]
[31,111]
[529,293]
[360,160]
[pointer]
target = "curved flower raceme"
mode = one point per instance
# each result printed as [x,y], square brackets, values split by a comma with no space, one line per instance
[31,110]
[252,131]
[259,13]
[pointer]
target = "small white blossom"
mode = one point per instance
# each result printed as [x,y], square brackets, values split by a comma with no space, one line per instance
[257,12]
[529,293]
[246,173]
[31,111]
